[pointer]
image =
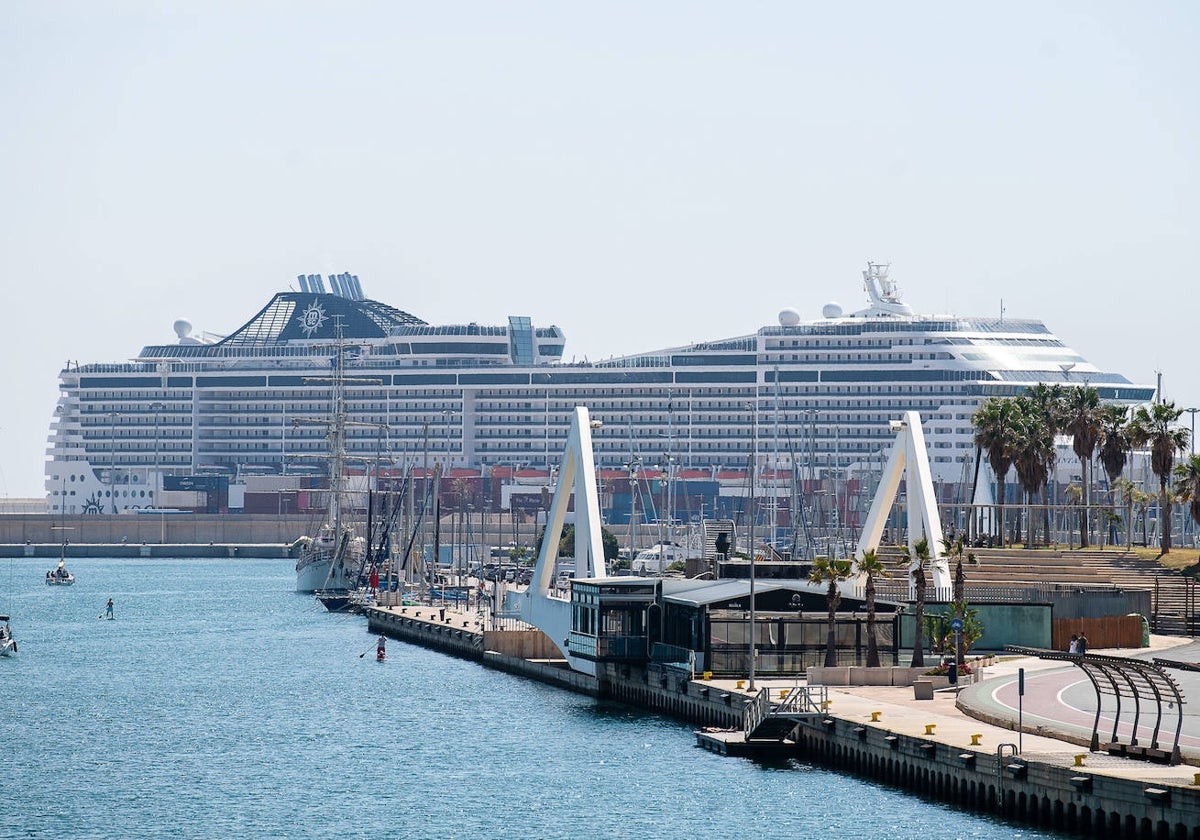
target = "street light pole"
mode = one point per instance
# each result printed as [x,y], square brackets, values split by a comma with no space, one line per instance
[753,516]
[158,481]
[1192,411]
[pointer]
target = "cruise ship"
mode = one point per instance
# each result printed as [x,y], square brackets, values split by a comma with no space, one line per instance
[807,397]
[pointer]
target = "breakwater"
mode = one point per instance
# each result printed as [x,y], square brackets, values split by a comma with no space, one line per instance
[249,551]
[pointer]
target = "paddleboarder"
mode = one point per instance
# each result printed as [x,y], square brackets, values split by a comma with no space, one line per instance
[381,648]
[108,609]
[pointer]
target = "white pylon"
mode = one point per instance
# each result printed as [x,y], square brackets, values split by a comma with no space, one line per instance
[908,460]
[539,607]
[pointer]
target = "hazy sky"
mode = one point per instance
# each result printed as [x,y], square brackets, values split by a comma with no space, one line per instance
[641,174]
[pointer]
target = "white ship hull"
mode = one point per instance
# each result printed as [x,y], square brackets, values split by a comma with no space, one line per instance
[317,568]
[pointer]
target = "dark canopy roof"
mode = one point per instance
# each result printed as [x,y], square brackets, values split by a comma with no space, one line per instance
[299,316]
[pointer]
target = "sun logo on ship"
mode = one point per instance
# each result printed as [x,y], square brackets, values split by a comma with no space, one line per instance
[312,319]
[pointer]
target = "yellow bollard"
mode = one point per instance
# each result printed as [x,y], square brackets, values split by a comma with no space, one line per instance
[875,717]
[1196,779]
[782,693]
[825,705]
[708,675]
[741,684]
[929,728]
[975,740]
[1079,759]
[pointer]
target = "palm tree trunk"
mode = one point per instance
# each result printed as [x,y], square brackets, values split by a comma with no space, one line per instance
[918,657]
[1046,511]
[1164,515]
[1001,524]
[831,599]
[872,643]
[1083,519]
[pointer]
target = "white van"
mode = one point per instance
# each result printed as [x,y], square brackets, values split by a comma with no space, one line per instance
[655,559]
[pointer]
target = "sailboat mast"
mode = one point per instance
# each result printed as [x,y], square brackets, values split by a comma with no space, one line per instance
[337,431]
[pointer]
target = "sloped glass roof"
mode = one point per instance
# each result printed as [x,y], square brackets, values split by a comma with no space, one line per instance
[303,316]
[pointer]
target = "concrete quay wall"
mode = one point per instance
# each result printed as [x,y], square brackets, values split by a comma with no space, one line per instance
[1019,788]
[674,694]
[529,653]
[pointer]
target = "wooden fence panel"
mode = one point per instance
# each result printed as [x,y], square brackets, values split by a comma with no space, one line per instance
[1116,631]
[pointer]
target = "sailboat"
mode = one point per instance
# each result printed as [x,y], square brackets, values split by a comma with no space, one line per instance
[8,645]
[331,560]
[381,562]
[59,576]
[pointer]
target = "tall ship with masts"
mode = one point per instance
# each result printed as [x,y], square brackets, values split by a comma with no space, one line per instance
[797,399]
[331,561]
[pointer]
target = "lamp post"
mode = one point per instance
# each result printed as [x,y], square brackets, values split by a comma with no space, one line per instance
[1192,411]
[158,482]
[753,514]
[112,459]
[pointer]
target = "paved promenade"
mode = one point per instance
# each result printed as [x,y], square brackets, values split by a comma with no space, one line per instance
[1064,704]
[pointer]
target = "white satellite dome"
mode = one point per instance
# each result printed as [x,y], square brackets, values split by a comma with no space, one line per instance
[833,309]
[789,317]
[183,328]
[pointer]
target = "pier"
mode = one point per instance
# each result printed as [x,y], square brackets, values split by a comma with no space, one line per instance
[955,747]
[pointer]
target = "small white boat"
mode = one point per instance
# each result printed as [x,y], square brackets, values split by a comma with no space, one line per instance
[8,645]
[60,576]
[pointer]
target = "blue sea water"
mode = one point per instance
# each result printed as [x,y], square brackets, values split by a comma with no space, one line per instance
[220,704]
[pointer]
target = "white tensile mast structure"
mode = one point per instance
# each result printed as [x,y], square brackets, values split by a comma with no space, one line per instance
[539,606]
[907,460]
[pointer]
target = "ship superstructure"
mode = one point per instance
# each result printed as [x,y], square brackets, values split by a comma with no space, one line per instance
[812,397]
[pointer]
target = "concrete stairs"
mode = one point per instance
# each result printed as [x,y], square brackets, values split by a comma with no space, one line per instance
[1175,598]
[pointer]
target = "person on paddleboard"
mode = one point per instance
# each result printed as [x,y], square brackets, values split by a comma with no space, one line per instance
[108,609]
[381,648]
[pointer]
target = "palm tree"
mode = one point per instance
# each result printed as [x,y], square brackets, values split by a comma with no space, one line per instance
[1154,427]
[956,549]
[1115,445]
[995,434]
[1187,485]
[831,572]
[1083,424]
[1035,452]
[917,559]
[872,567]
[1049,402]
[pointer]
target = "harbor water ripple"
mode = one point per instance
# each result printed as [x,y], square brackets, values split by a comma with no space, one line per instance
[219,704]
